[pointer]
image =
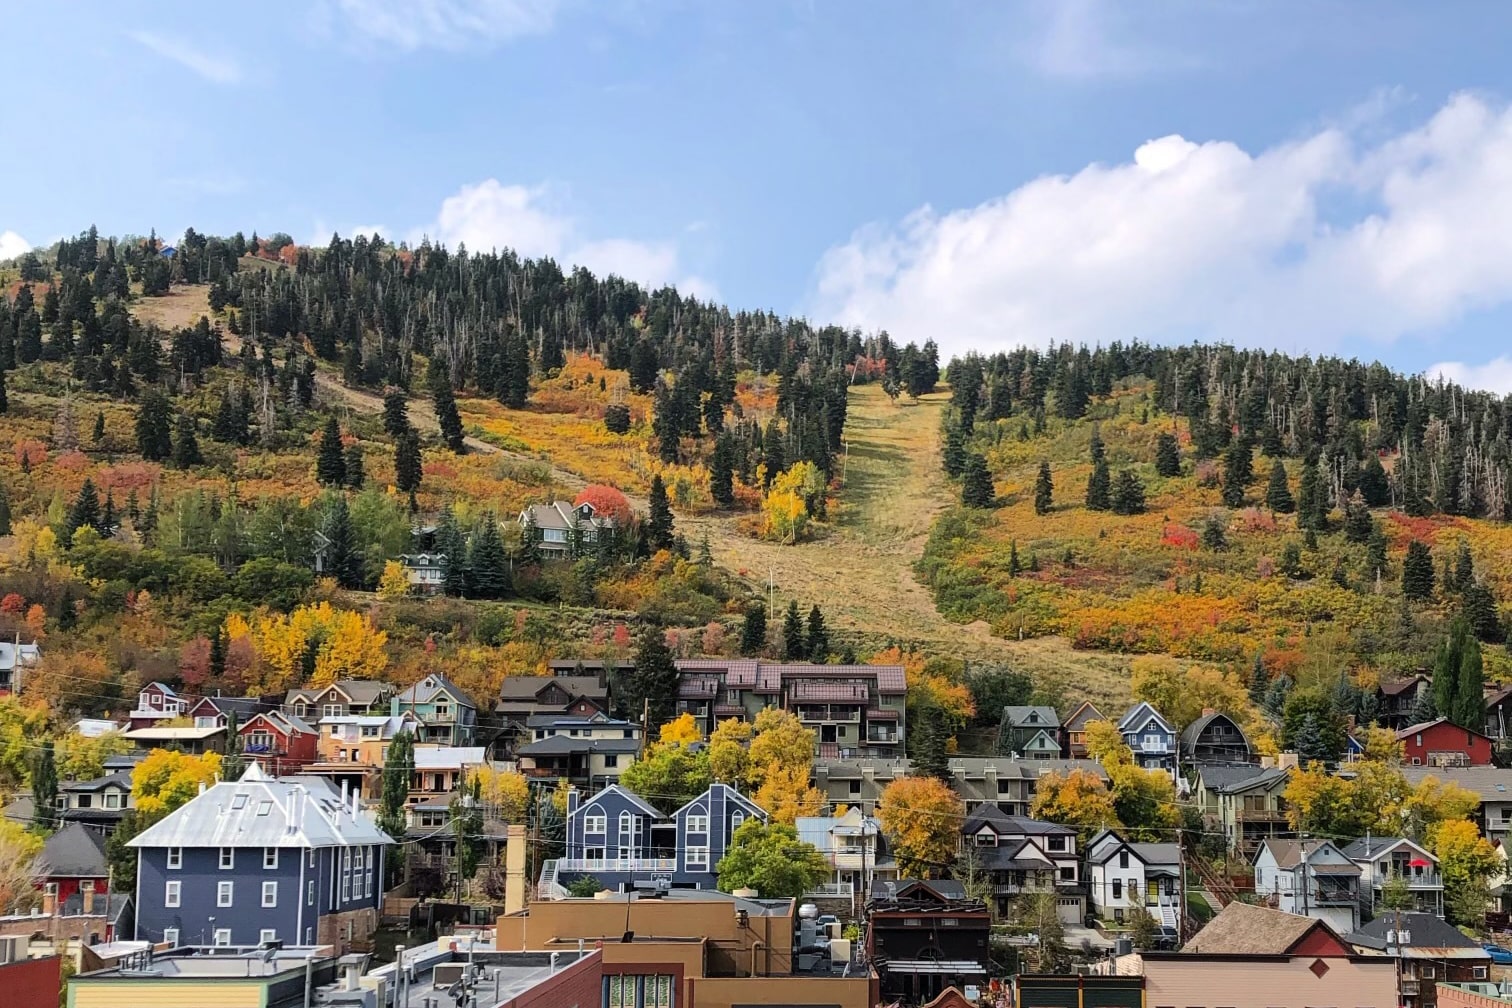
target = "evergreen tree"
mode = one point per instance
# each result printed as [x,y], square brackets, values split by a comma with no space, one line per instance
[44,788]
[154,427]
[1311,510]
[186,451]
[344,558]
[1099,487]
[722,470]
[976,483]
[655,681]
[1458,680]
[617,419]
[1095,447]
[1128,494]
[84,512]
[1478,607]
[659,529]
[4,399]
[1375,551]
[5,513]
[487,564]
[232,764]
[1214,535]
[794,647]
[97,436]
[1278,495]
[446,407]
[1357,521]
[1238,469]
[330,463]
[953,458]
[398,765]
[355,476]
[395,412]
[1044,490]
[1259,680]
[452,545]
[1417,571]
[818,636]
[1464,567]
[407,464]
[929,745]
[1373,483]
[1167,456]
[218,655]
[753,630]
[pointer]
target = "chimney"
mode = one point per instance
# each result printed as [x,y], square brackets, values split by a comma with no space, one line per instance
[49,899]
[868,772]
[989,773]
[87,889]
[1208,710]
[514,869]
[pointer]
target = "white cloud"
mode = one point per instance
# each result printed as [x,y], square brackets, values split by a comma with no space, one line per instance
[1087,39]
[12,245]
[530,220]
[1494,375]
[217,68]
[447,24]
[1204,240]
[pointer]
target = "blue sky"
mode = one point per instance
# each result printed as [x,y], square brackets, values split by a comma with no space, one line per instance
[1310,176]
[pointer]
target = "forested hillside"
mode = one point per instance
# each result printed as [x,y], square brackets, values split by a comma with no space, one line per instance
[1285,532]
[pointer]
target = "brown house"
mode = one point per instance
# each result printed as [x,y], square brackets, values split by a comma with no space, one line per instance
[1252,957]
[1076,729]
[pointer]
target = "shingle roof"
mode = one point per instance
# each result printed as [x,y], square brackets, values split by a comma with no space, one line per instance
[1373,848]
[259,811]
[1235,779]
[1400,685]
[561,745]
[1290,853]
[576,721]
[1031,717]
[1004,824]
[72,852]
[428,687]
[1489,782]
[120,779]
[1241,929]
[769,677]
[1424,931]
[946,889]
[525,688]
[364,692]
[1141,712]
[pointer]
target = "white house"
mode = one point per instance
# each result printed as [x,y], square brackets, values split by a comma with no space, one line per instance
[426,571]
[1313,878]
[853,846]
[1383,860]
[1123,876]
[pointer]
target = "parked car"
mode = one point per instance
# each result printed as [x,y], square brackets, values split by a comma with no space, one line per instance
[1168,939]
[1499,955]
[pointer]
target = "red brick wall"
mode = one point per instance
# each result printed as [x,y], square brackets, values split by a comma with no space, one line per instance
[32,984]
[580,985]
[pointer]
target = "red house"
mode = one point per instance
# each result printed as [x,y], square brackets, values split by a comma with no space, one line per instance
[72,863]
[1442,743]
[280,743]
[156,702]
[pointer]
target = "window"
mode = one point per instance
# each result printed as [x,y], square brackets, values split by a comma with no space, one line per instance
[270,894]
[312,857]
[986,838]
[170,935]
[1055,843]
[698,857]
[310,893]
[1067,874]
[331,710]
[855,787]
[611,760]
[1123,859]
[227,858]
[171,893]
[264,807]
[223,893]
[369,731]
[309,936]
[267,935]
[112,800]
[1478,972]
[85,801]
[270,857]
[658,992]
[698,824]
[629,733]
[1429,972]
[594,824]
[1118,888]
[620,991]
[221,938]
[736,818]
[346,888]
[175,857]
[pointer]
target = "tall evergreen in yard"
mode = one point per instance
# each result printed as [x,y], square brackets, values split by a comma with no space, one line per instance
[794,647]
[1167,456]
[654,682]
[929,746]
[1478,607]
[186,451]
[1128,496]
[1099,487]
[233,765]
[722,470]
[818,636]
[398,764]
[1417,571]
[44,788]
[1044,490]
[407,464]
[753,630]
[451,544]
[446,406]
[343,555]
[1278,495]
[659,529]
[976,483]
[1458,679]
[488,566]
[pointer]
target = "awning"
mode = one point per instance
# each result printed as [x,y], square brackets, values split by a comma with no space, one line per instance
[935,966]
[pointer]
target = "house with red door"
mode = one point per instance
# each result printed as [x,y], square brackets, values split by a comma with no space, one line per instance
[280,743]
[1443,743]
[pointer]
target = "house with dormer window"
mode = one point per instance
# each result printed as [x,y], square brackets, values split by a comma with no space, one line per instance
[342,698]
[588,751]
[1023,855]
[1149,737]
[1123,877]
[1030,733]
[156,702]
[1075,728]
[446,715]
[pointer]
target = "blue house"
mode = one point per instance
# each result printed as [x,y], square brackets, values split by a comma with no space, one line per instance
[259,860]
[1151,738]
[447,716]
[622,841]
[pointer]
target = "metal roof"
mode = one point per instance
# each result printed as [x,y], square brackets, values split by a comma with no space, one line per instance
[768,677]
[559,745]
[432,684]
[448,757]
[260,811]
[166,734]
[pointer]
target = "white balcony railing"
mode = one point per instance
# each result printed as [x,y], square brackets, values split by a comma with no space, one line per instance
[630,864]
[831,890]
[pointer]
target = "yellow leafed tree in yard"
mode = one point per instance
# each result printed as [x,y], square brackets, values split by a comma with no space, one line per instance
[18,849]
[779,738]
[729,760]
[164,780]
[785,792]
[1078,799]
[394,582]
[920,817]
[682,729]
[345,643]
[507,790]
[1106,745]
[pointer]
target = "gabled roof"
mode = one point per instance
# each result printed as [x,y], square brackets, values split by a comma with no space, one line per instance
[933,890]
[528,688]
[1424,931]
[433,684]
[1004,824]
[1082,713]
[362,692]
[1489,782]
[1403,734]
[1402,685]
[1036,716]
[1107,843]
[1242,929]
[1239,779]
[1289,854]
[288,724]
[1138,716]
[72,852]
[730,793]
[119,779]
[259,811]
[1375,848]
[625,793]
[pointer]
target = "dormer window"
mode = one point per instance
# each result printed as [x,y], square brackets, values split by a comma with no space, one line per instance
[986,838]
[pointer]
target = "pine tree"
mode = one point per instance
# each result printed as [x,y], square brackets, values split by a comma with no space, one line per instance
[818,636]
[154,427]
[1464,567]
[395,412]
[398,767]
[232,764]
[1311,512]
[1259,680]
[1167,456]
[1458,680]
[1044,490]
[85,510]
[330,463]
[953,458]
[654,685]
[487,564]
[218,655]
[617,419]
[446,407]
[1278,495]
[1128,494]
[1014,564]
[1375,550]
[794,647]
[186,451]
[928,747]
[407,464]
[4,399]
[1373,483]
[753,630]
[1099,487]
[352,463]
[1214,535]
[1478,607]
[452,545]
[1357,521]
[344,558]
[1238,469]
[5,513]
[1417,571]
[659,528]
[97,436]
[1095,446]
[722,470]
[976,483]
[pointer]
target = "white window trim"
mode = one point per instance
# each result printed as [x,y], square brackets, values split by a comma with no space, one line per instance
[171,936]
[697,857]
[175,857]
[225,893]
[698,824]
[267,935]
[227,858]
[270,858]
[310,897]
[595,824]
[270,894]
[221,938]
[173,892]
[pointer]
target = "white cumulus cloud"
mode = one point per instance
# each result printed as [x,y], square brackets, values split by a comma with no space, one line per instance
[217,68]
[528,219]
[1302,245]
[12,245]
[1494,375]
[446,24]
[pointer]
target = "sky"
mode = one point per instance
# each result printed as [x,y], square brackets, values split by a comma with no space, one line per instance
[1315,177]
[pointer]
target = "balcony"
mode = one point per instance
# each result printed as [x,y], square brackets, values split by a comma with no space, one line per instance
[1427,880]
[1154,748]
[1409,988]
[630,864]
[832,890]
[889,738]
[853,860]
[832,714]
[1247,815]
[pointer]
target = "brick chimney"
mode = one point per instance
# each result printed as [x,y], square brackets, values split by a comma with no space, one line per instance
[514,869]
[1208,710]
[49,898]
[88,890]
